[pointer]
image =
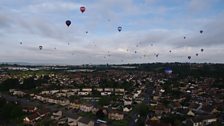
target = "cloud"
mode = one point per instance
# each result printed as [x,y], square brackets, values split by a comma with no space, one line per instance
[53,6]
[198,6]
[163,25]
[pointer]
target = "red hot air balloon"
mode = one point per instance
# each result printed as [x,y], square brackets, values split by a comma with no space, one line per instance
[82,9]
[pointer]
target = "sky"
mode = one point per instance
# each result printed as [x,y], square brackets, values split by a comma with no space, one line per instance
[149,27]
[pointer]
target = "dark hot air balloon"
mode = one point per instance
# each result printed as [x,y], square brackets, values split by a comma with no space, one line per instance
[184,37]
[82,9]
[201,31]
[196,54]
[202,50]
[189,57]
[40,47]
[68,23]
[21,43]
[119,28]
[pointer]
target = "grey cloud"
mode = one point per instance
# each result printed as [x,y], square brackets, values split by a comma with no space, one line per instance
[53,6]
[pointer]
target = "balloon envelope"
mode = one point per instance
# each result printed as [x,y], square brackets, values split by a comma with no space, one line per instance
[68,23]
[40,47]
[189,57]
[82,9]
[119,28]
[201,31]
[168,70]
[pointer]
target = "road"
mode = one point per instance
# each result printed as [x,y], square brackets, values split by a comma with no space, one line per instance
[147,95]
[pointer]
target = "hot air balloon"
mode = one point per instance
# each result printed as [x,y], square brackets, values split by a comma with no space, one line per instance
[170,51]
[87,32]
[82,9]
[202,50]
[201,31]
[189,57]
[21,43]
[40,47]
[157,55]
[196,54]
[135,52]
[68,23]
[119,28]
[184,37]
[168,70]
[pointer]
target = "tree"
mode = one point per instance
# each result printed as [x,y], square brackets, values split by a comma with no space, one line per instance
[104,101]
[142,109]
[9,84]
[100,114]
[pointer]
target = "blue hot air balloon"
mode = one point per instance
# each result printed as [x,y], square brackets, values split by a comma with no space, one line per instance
[168,70]
[119,28]
[68,23]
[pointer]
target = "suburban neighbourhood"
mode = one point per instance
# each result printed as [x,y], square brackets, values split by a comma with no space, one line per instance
[119,97]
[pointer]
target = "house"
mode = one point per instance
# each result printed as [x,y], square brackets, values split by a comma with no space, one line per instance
[54,91]
[82,93]
[85,122]
[74,105]
[62,121]
[194,122]
[115,115]
[127,108]
[160,109]
[75,90]
[190,113]
[155,123]
[87,89]
[45,92]
[209,119]
[56,115]
[99,89]
[29,109]
[73,120]
[19,93]
[127,102]
[65,90]
[86,107]
[119,90]
[31,119]
[95,109]
[105,93]
[109,89]
[202,120]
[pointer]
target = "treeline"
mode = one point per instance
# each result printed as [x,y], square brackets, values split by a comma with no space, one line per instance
[26,84]
[10,112]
